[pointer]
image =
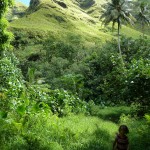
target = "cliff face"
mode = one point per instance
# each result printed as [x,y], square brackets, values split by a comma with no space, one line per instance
[86,3]
[33,6]
[34,3]
[17,11]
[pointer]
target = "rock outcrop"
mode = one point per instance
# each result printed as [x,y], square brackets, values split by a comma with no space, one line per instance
[17,11]
[34,3]
[62,4]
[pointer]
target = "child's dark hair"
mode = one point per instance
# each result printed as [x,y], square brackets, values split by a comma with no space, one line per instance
[124,128]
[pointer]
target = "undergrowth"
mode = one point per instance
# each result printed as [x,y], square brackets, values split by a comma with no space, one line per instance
[44,131]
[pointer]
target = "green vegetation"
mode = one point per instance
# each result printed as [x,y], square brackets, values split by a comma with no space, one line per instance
[117,12]
[45,131]
[65,87]
[142,17]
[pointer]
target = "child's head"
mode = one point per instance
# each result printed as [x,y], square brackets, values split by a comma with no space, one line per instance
[123,129]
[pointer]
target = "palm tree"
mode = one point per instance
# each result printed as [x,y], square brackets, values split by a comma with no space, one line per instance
[117,11]
[142,16]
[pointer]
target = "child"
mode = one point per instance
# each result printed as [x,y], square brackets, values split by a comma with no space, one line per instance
[121,142]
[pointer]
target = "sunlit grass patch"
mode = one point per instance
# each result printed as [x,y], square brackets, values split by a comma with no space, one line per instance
[90,132]
[110,113]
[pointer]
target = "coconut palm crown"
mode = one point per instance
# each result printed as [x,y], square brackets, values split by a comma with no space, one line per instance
[117,11]
[142,17]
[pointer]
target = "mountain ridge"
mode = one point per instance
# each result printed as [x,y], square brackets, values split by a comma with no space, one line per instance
[60,18]
[17,11]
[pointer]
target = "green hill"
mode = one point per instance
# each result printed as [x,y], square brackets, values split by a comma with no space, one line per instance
[69,21]
[65,17]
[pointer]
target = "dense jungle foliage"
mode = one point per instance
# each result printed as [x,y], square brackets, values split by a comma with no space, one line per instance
[69,96]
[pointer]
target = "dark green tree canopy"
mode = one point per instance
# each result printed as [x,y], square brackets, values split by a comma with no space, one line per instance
[4,4]
[143,15]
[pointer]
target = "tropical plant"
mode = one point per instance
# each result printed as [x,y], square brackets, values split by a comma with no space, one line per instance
[104,79]
[5,36]
[117,11]
[142,17]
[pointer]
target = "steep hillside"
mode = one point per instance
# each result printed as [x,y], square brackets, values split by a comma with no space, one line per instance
[74,37]
[94,9]
[61,18]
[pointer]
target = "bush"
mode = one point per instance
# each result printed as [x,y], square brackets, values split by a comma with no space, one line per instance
[63,103]
[138,81]
[11,83]
[106,80]
[59,49]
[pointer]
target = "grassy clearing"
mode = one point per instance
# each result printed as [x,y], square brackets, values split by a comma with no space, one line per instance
[77,132]
[110,113]
[94,133]
[90,132]
[44,131]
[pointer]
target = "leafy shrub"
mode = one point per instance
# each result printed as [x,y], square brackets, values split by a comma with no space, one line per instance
[71,82]
[59,101]
[103,74]
[22,38]
[63,102]
[86,3]
[11,83]
[59,49]
[106,80]
[138,81]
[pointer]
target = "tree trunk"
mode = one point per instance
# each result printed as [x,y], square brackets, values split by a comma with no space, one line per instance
[119,47]
[143,28]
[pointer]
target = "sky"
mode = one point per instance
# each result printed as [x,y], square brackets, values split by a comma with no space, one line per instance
[26,2]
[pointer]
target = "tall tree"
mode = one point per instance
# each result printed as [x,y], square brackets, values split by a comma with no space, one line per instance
[117,11]
[142,17]
[5,36]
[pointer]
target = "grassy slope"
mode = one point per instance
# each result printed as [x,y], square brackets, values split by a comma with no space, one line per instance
[97,133]
[51,19]
[80,132]
[59,22]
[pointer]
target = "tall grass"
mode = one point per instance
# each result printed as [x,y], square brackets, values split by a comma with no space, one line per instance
[44,131]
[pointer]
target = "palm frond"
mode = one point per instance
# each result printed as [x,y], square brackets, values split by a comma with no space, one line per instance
[116,10]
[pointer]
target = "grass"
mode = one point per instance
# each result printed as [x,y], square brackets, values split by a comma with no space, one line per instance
[110,113]
[90,132]
[45,131]
[59,21]
[50,19]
